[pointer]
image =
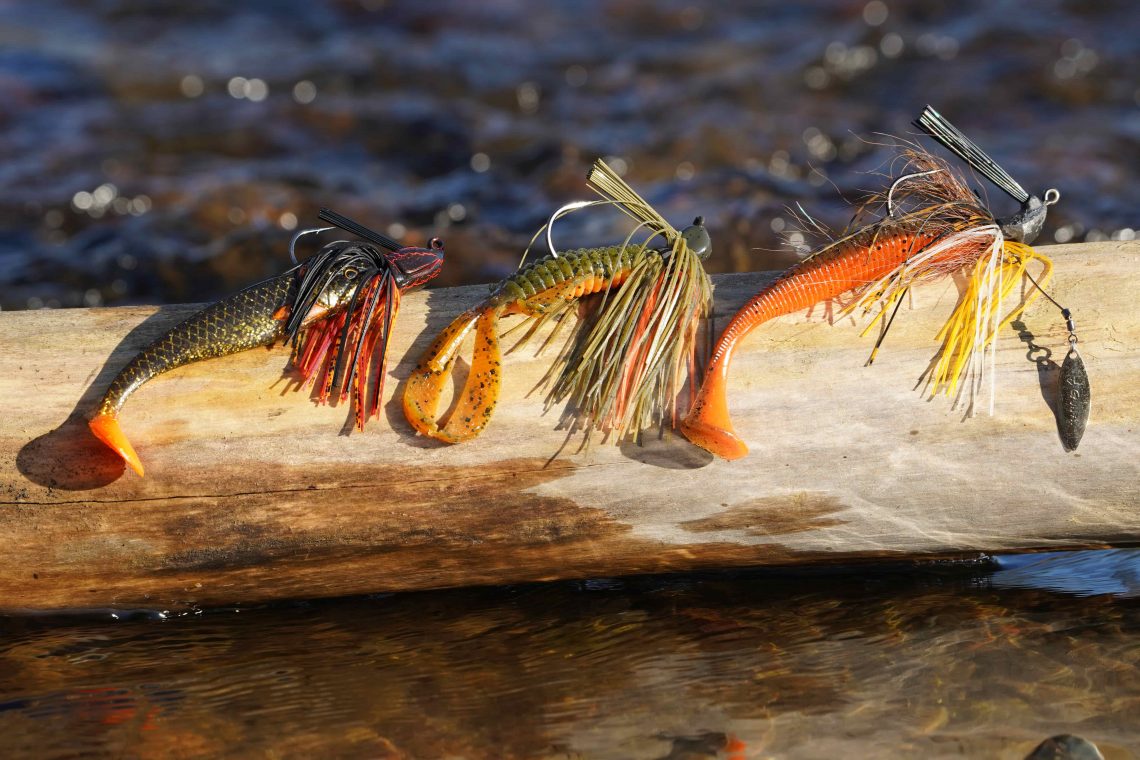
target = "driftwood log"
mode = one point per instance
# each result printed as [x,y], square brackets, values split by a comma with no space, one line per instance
[254,493]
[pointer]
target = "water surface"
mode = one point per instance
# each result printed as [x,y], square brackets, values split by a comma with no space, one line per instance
[165,152]
[976,661]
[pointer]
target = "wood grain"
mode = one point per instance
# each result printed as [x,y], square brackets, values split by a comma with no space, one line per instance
[255,493]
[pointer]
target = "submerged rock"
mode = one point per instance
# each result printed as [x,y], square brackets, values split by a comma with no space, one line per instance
[1065,747]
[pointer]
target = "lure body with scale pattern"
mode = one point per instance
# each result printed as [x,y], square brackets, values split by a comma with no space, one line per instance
[336,308]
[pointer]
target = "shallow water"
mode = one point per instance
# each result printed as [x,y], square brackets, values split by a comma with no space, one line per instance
[164,152]
[971,660]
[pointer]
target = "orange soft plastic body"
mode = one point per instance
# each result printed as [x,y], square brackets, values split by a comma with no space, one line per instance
[850,264]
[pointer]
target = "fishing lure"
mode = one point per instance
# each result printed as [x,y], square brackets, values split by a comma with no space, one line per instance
[1075,393]
[934,226]
[1075,401]
[336,309]
[622,368]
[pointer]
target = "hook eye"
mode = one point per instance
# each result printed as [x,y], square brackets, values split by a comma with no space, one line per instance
[436,244]
[350,273]
[1052,195]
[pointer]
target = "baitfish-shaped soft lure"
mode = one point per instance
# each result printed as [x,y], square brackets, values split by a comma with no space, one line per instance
[336,308]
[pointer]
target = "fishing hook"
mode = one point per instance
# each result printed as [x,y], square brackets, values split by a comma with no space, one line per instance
[571,206]
[900,180]
[299,235]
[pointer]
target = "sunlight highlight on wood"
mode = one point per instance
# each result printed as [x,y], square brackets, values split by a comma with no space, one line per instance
[255,493]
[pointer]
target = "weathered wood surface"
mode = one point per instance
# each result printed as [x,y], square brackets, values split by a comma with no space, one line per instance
[254,493]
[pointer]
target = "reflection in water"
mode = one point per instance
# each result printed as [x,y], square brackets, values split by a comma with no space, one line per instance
[892,663]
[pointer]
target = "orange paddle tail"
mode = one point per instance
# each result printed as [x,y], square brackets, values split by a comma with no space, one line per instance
[106,429]
[850,264]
